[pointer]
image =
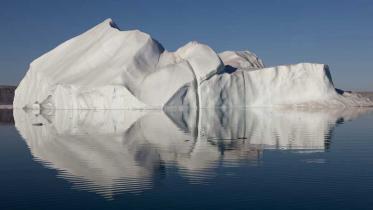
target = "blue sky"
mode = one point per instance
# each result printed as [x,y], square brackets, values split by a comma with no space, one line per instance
[338,33]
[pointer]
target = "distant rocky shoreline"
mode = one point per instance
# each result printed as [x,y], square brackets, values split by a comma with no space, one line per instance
[6,96]
[366,94]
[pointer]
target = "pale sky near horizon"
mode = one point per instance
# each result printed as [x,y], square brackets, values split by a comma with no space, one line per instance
[335,32]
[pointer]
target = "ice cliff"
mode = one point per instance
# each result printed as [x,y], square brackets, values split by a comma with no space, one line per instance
[105,68]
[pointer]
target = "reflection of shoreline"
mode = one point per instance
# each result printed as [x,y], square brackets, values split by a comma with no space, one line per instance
[6,117]
[114,151]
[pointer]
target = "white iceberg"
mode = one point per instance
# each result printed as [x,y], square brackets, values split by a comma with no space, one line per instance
[105,68]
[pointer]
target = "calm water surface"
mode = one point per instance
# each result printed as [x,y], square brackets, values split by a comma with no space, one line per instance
[208,159]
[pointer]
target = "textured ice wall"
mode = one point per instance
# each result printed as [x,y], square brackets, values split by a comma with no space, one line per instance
[105,68]
[304,84]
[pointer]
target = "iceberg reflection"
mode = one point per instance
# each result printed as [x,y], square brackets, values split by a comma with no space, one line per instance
[113,151]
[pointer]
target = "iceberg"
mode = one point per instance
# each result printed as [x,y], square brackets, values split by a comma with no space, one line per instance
[106,68]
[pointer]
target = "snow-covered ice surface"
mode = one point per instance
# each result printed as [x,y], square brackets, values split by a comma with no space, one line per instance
[120,150]
[105,68]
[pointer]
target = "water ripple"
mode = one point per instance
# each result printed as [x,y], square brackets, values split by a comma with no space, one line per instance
[111,152]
